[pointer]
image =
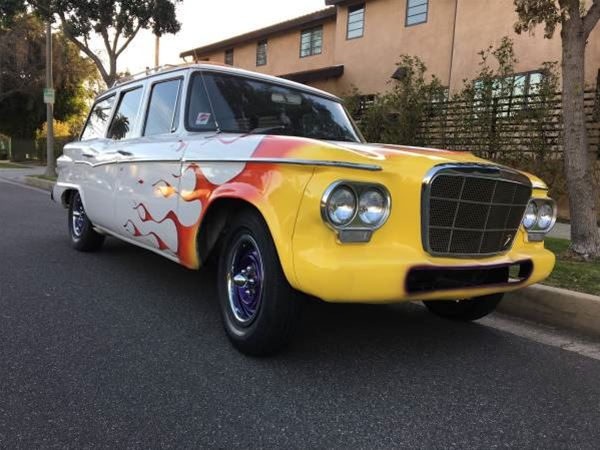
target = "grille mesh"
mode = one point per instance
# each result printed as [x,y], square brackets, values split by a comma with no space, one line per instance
[472,215]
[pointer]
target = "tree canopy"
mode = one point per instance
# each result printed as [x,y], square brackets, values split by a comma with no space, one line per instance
[115,22]
[22,76]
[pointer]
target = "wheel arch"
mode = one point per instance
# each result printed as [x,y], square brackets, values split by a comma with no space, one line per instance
[219,216]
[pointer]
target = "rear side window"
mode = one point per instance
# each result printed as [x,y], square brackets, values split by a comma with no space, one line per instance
[124,120]
[163,110]
[199,112]
[98,119]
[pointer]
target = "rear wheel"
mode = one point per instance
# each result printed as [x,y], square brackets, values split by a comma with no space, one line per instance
[465,310]
[81,230]
[259,307]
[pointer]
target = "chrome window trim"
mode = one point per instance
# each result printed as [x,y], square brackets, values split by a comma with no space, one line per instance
[487,171]
[297,162]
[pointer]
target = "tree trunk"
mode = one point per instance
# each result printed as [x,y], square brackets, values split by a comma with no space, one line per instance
[578,164]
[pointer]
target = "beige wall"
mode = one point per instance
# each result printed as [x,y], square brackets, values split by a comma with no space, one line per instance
[370,61]
[283,53]
[495,19]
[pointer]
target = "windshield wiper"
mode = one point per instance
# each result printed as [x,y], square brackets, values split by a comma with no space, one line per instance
[266,130]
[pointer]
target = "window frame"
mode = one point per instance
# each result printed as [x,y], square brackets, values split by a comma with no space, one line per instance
[99,100]
[406,16]
[265,43]
[122,94]
[181,79]
[311,30]
[356,7]
[229,51]
[188,98]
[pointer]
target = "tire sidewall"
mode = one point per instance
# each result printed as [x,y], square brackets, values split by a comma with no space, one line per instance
[277,313]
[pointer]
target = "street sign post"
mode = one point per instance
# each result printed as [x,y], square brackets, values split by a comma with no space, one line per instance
[49,96]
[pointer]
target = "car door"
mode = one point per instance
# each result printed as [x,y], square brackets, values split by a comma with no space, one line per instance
[147,193]
[96,171]
[123,133]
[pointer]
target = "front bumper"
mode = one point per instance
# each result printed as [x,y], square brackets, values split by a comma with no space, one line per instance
[352,275]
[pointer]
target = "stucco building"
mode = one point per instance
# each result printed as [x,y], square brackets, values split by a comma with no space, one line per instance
[357,43]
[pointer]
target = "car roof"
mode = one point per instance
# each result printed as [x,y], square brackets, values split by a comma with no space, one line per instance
[218,68]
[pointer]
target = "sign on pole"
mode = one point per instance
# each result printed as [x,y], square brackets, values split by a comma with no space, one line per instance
[49,95]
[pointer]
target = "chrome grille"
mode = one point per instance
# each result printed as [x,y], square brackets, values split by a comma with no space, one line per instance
[473,210]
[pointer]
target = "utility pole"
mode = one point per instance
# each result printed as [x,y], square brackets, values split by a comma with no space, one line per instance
[49,100]
[157,51]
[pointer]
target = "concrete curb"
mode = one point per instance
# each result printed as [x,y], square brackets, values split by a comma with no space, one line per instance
[554,306]
[39,183]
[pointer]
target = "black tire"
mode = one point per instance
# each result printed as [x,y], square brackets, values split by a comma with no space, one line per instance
[81,230]
[259,320]
[465,310]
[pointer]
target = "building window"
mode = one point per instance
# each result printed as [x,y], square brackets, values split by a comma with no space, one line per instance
[311,42]
[229,57]
[416,11]
[261,53]
[510,94]
[356,21]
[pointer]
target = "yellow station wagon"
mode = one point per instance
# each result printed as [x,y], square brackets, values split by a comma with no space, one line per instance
[274,180]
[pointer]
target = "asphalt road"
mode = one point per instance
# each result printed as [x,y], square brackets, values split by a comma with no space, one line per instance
[124,349]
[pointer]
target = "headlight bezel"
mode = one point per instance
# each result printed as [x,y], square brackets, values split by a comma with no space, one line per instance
[356,230]
[535,233]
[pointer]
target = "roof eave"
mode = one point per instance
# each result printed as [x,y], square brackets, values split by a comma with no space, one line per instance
[298,22]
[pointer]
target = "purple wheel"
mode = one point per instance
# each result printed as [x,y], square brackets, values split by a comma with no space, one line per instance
[259,307]
[83,236]
[245,279]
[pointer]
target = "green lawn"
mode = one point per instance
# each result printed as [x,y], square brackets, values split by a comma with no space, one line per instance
[44,177]
[9,165]
[573,275]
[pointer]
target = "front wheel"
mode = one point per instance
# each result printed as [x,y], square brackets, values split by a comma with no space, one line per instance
[259,307]
[83,236]
[465,310]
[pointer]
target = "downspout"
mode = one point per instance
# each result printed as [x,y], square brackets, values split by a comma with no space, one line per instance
[452,46]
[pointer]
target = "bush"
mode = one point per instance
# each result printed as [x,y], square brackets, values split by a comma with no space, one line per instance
[396,116]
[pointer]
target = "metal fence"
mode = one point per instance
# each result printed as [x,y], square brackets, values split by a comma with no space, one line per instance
[510,126]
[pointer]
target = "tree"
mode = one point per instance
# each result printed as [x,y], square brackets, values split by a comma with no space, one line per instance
[576,22]
[22,76]
[116,22]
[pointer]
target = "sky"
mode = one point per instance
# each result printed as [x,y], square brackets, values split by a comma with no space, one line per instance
[207,21]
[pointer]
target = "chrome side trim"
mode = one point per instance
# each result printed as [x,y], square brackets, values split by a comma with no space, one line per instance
[489,171]
[297,162]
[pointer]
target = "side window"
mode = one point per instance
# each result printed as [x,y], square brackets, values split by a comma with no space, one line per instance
[163,108]
[199,111]
[416,11]
[356,21]
[261,53]
[125,118]
[229,57]
[311,42]
[96,124]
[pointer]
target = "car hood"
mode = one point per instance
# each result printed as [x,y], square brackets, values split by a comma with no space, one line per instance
[386,157]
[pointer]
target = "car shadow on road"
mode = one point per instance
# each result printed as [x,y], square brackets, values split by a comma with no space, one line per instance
[326,331]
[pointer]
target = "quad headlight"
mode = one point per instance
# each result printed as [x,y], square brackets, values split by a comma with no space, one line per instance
[539,218]
[355,210]
[341,206]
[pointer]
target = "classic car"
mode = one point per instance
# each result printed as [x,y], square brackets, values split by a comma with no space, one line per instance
[273,181]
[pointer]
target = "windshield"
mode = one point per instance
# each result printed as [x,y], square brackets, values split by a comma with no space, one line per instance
[237,104]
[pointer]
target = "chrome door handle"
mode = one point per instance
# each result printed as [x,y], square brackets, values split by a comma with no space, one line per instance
[124,153]
[88,155]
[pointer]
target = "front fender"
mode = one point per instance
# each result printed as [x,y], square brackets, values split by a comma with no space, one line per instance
[276,192]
